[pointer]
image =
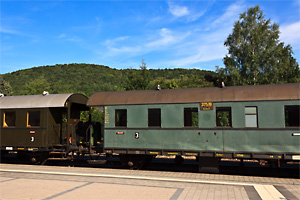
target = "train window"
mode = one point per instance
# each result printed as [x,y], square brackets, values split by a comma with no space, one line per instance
[33,118]
[191,117]
[251,116]
[154,117]
[9,119]
[292,115]
[223,115]
[121,117]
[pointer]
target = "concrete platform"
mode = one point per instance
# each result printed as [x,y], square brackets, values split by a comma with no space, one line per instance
[51,182]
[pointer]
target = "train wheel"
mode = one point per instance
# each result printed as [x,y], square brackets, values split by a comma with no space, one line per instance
[178,160]
[124,160]
[38,158]
[134,161]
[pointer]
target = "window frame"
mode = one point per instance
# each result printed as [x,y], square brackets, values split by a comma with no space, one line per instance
[285,116]
[187,111]
[120,122]
[4,115]
[153,123]
[251,114]
[28,118]
[224,109]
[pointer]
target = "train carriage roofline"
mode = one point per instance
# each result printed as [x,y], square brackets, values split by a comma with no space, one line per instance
[41,101]
[193,95]
[41,127]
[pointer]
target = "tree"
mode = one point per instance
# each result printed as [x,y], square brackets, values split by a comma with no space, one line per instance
[137,79]
[5,87]
[37,86]
[144,78]
[255,53]
[173,84]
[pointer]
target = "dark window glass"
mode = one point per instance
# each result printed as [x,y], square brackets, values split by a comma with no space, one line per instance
[223,117]
[154,117]
[33,118]
[292,115]
[191,117]
[9,119]
[121,117]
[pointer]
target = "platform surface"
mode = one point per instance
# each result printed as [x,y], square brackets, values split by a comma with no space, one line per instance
[53,182]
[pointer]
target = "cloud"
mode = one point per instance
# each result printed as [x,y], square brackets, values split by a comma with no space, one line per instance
[290,34]
[203,53]
[191,11]
[230,15]
[10,31]
[190,45]
[133,50]
[63,35]
[114,41]
[133,46]
[178,11]
[121,46]
[68,38]
[166,37]
[206,44]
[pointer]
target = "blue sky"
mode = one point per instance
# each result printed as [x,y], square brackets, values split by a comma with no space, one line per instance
[119,34]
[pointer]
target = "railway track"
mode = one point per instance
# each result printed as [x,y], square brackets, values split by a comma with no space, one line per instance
[165,163]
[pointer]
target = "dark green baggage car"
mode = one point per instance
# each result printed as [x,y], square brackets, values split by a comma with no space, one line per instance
[245,122]
[36,125]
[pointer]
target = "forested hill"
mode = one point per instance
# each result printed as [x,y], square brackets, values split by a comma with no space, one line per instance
[89,78]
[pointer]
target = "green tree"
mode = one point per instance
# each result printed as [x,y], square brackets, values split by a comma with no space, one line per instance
[173,84]
[137,79]
[37,86]
[96,116]
[255,53]
[89,78]
[193,81]
[5,87]
[145,79]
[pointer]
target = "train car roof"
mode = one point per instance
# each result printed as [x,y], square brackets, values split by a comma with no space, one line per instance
[193,95]
[41,101]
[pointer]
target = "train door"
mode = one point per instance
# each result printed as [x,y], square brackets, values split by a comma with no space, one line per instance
[97,121]
[58,126]
[77,130]
[64,126]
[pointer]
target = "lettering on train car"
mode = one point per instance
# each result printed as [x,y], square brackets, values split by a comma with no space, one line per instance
[191,154]
[106,116]
[152,152]
[206,106]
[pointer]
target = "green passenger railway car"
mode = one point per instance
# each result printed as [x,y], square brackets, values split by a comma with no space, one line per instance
[38,125]
[245,122]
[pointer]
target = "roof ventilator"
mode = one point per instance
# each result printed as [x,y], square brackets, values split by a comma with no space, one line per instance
[45,93]
[158,87]
[222,85]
